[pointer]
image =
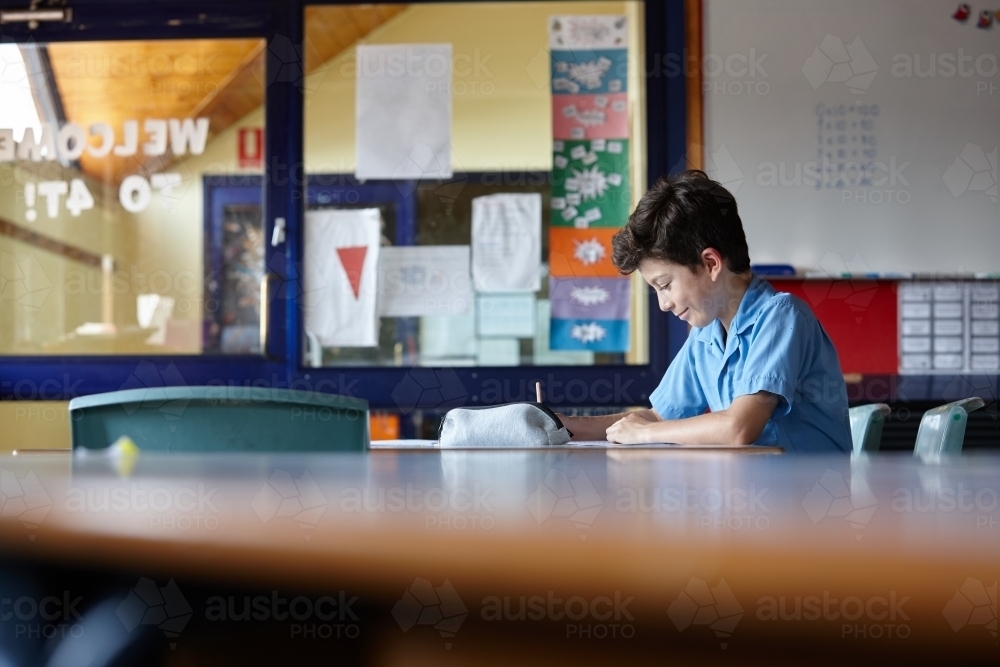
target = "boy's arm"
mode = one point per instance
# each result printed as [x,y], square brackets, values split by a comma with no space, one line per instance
[596,428]
[739,424]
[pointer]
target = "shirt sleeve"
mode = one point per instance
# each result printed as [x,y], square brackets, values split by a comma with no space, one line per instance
[680,394]
[779,350]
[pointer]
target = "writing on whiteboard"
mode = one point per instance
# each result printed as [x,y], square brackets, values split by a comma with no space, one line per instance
[846,144]
[847,160]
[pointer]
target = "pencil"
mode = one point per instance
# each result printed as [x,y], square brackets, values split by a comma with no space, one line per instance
[538,391]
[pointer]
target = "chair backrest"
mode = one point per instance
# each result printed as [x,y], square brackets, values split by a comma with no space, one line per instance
[942,429]
[866,426]
[221,419]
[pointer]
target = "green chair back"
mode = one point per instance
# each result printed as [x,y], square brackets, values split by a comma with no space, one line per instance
[221,419]
[866,427]
[942,430]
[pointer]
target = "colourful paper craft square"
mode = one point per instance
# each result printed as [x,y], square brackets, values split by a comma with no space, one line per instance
[589,72]
[590,183]
[590,116]
[590,298]
[583,253]
[595,335]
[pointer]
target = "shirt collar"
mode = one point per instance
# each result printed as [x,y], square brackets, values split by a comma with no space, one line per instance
[758,291]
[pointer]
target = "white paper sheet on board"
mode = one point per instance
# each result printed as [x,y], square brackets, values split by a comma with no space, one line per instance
[403,111]
[505,315]
[507,242]
[448,337]
[588,32]
[498,352]
[340,292]
[424,280]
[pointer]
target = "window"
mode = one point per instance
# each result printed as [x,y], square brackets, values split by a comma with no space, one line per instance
[146,267]
[495,103]
[107,245]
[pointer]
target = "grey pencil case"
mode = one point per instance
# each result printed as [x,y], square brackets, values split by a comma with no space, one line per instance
[525,424]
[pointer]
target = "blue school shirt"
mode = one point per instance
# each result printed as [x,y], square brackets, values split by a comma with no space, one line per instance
[775,344]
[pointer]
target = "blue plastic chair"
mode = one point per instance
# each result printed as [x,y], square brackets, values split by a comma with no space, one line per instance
[866,427]
[221,419]
[942,430]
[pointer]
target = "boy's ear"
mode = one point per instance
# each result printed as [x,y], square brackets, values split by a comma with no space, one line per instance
[712,260]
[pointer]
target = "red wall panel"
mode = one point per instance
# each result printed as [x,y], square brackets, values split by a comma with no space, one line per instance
[858,315]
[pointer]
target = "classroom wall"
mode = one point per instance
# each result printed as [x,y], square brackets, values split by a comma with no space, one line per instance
[34,425]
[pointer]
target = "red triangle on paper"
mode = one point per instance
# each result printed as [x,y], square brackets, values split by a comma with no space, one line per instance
[353,259]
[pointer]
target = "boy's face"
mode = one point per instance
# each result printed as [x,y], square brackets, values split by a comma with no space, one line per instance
[691,296]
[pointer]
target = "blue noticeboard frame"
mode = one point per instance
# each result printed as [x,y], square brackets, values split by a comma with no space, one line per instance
[281,23]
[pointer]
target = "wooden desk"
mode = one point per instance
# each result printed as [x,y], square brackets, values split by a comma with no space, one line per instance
[710,549]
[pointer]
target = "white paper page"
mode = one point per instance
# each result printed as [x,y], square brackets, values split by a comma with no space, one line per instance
[507,242]
[403,444]
[499,352]
[505,315]
[600,31]
[424,280]
[340,293]
[447,337]
[403,111]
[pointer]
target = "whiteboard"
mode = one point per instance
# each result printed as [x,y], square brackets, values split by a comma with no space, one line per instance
[919,96]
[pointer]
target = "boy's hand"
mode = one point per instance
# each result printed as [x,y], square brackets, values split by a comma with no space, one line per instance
[588,428]
[630,429]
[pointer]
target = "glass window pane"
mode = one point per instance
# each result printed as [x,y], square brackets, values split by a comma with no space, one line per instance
[432,110]
[125,227]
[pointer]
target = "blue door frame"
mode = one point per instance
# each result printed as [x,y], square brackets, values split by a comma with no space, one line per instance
[403,389]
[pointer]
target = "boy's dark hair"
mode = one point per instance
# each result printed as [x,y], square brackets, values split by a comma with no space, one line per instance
[677,219]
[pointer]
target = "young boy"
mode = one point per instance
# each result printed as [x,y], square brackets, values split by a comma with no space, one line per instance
[757,367]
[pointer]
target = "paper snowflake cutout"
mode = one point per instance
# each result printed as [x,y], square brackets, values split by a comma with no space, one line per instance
[589,296]
[591,117]
[589,252]
[590,183]
[588,333]
[590,73]
[566,85]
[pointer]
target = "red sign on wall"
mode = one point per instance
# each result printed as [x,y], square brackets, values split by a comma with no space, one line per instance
[250,148]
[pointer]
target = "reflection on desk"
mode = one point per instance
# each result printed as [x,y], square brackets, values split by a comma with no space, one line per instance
[711,551]
[581,444]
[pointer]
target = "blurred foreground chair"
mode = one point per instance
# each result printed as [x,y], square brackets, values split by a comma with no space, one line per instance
[221,419]
[866,427]
[942,429]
